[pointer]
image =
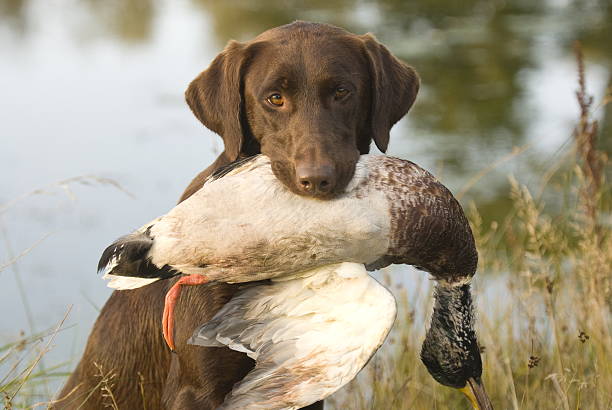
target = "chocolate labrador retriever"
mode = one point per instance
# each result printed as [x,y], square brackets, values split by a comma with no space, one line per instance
[310,96]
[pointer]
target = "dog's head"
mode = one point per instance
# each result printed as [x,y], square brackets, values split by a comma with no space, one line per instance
[310,96]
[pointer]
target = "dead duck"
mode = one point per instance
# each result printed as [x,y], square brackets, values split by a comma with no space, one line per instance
[244,226]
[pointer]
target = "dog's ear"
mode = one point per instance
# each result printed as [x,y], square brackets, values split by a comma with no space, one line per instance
[394,88]
[215,97]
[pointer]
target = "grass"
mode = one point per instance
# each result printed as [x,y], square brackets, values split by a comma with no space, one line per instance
[25,378]
[544,293]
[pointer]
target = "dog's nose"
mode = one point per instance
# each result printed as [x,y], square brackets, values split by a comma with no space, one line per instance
[316,179]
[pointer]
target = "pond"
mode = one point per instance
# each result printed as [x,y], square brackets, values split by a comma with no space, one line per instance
[92,91]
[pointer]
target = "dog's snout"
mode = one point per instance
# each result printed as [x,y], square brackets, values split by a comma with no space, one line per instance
[316,179]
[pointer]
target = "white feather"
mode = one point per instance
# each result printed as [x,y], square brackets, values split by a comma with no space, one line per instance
[126,282]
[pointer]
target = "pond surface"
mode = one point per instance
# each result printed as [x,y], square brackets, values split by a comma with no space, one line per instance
[94,89]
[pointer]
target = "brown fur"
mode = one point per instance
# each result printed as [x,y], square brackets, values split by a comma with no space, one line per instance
[314,132]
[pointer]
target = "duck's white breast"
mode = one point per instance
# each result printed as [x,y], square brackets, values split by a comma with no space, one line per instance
[249,220]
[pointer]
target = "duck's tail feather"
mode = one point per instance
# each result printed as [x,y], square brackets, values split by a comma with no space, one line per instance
[127,263]
[127,282]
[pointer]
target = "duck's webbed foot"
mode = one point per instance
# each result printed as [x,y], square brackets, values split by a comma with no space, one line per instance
[171,299]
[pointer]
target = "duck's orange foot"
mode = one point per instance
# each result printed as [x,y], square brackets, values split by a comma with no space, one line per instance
[171,299]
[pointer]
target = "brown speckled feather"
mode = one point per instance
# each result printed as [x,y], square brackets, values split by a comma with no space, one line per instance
[428,229]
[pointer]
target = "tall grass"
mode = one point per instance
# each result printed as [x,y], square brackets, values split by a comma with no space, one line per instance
[546,327]
[24,382]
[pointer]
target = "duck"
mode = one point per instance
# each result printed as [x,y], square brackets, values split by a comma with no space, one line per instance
[245,226]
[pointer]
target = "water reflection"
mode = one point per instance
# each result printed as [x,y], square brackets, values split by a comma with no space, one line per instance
[472,55]
[130,21]
[12,13]
[243,19]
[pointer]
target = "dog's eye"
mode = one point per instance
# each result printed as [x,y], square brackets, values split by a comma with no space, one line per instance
[276,99]
[340,92]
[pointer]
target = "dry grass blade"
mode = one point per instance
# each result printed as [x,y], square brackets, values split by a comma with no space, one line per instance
[554,378]
[105,385]
[65,185]
[40,355]
[482,173]
[52,402]
[23,253]
[585,135]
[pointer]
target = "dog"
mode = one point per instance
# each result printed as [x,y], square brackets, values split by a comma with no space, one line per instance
[310,96]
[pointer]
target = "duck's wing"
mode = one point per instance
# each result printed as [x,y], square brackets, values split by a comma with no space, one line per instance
[249,320]
[309,336]
[263,321]
[240,165]
[251,323]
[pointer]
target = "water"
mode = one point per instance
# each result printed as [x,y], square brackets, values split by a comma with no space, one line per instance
[95,87]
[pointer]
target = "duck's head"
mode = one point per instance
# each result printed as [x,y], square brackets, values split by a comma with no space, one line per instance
[450,350]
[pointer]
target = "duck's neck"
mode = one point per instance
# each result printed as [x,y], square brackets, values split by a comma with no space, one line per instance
[453,308]
[450,342]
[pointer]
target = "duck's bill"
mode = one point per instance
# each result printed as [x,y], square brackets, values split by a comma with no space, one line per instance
[475,392]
